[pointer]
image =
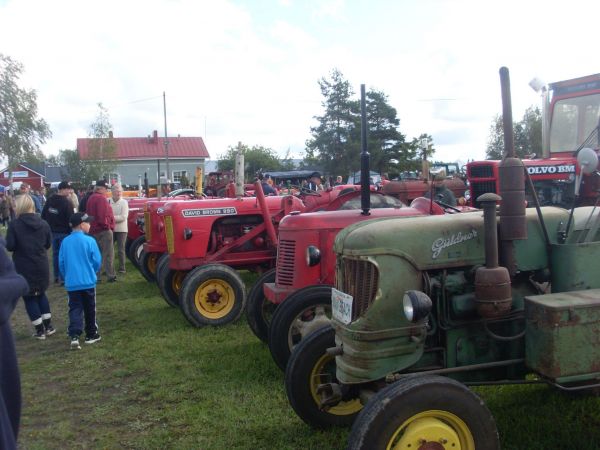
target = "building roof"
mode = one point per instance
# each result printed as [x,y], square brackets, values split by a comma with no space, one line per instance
[151,147]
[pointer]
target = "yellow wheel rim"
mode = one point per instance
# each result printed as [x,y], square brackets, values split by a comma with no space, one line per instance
[177,281]
[152,259]
[214,299]
[433,429]
[323,372]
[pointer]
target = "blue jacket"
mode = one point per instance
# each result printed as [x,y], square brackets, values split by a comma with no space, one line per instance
[78,260]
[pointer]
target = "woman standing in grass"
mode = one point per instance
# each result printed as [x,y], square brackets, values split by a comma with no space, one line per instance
[29,238]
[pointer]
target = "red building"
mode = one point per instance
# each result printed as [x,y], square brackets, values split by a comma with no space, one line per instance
[21,174]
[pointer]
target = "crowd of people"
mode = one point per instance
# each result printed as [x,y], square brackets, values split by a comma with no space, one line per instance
[81,235]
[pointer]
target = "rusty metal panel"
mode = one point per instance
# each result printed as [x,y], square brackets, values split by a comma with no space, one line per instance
[562,336]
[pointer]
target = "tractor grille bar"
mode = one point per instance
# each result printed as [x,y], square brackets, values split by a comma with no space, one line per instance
[169,234]
[285,263]
[482,187]
[147,226]
[360,280]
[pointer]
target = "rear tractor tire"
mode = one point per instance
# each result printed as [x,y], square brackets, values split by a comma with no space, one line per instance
[213,294]
[259,310]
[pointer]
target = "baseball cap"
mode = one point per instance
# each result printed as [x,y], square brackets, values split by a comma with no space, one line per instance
[64,185]
[78,218]
[101,183]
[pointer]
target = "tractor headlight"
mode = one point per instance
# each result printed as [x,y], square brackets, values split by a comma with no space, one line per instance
[187,234]
[313,255]
[417,305]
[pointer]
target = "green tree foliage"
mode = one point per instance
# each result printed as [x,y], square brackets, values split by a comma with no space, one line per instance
[102,158]
[415,151]
[527,135]
[21,132]
[256,158]
[335,144]
[75,169]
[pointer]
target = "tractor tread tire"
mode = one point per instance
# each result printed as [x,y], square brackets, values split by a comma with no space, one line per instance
[392,406]
[195,278]
[285,315]
[133,251]
[255,306]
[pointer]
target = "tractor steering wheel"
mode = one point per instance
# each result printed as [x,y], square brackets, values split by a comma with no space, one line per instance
[308,191]
[447,206]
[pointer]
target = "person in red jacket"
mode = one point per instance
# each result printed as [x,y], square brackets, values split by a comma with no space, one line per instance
[102,227]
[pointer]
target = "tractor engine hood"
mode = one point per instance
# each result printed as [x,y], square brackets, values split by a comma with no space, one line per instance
[379,260]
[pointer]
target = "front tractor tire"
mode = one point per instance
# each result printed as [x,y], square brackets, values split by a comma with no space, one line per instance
[135,249]
[213,294]
[303,312]
[169,281]
[148,264]
[425,411]
[259,310]
[310,366]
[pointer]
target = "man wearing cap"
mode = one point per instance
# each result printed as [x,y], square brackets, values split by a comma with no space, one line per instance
[315,182]
[57,212]
[79,260]
[102,227]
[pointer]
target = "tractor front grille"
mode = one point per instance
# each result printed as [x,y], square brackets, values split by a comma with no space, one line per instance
[169,234]
[359,279]
[481,172]
[285,263]
[481,187]
[147,226]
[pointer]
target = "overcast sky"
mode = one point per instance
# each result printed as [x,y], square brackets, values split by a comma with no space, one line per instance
[248,70]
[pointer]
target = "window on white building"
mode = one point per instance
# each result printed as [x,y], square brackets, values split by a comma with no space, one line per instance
[178,175]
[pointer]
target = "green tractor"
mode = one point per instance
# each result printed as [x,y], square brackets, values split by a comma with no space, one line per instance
[422,309]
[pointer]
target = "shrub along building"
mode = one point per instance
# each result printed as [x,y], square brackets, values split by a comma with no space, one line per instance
[138,155]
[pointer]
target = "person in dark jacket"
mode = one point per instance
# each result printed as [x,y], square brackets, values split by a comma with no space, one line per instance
[56,212]
[12,286]
[29,238]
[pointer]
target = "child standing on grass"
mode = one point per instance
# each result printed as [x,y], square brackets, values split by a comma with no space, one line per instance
[78,260]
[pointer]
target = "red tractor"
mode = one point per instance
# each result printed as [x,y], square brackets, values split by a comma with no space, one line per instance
[571,114]
[208,241]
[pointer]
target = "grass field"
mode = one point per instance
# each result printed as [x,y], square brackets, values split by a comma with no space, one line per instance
[156,382]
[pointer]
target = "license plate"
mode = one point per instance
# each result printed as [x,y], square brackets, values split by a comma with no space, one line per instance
[341,306]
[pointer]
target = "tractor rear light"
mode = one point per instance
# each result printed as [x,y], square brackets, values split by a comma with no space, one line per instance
[187,234]
[417,305]
[313,256]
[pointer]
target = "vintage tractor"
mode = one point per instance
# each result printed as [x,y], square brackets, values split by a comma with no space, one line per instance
[422,307]
[570,121]
[210,239]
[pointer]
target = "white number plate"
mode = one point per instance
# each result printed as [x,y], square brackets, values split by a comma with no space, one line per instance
[341,306]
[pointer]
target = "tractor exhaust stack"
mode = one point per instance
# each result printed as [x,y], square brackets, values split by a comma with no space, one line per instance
[365,188]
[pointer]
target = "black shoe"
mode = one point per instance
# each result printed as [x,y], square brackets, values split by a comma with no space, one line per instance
[91,339]
[112,279]
[39,333]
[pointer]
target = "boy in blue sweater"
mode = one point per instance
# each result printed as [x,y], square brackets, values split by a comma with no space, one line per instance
[78,260]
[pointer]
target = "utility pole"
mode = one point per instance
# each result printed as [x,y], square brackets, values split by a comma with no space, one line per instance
[166,140]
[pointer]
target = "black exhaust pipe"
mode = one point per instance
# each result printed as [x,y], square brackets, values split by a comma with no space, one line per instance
[365,188]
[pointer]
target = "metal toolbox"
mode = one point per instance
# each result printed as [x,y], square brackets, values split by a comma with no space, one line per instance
[562,335]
